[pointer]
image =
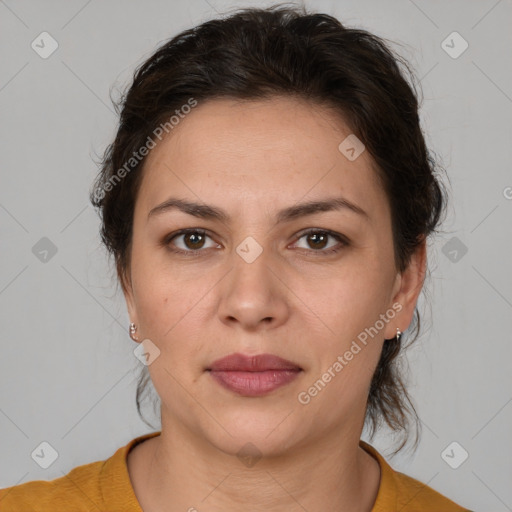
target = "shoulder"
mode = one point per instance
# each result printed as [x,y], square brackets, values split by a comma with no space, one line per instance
[398,491]
[99,485]
[413,495]
[78,490]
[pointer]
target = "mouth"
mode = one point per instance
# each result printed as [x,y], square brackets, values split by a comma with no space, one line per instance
[258,363]
[253,375]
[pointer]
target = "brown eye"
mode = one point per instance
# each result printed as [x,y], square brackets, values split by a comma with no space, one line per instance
[188,241]
[317,240]
[193,240]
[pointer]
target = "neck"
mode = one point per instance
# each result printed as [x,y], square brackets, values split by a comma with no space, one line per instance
[333,473]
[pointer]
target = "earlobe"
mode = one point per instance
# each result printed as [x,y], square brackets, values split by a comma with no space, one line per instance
[127,289]
[409,287]
[132,329]
[130,306]
[133,332]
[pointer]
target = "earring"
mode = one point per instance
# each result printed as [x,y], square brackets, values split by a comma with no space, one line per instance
[132,330]
[398,334]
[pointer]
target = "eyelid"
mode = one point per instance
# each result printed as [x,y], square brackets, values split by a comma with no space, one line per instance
[185,231]
[334,234]
[342,239]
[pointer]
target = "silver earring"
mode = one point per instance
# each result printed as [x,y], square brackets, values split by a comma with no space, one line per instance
[133,330]
[398,334]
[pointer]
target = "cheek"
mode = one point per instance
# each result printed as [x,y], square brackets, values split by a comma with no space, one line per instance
[169,301]
[353,298]
[350,349]
[164,307]
[345,355]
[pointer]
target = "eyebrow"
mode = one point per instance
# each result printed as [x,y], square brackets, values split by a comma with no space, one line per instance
[205,211]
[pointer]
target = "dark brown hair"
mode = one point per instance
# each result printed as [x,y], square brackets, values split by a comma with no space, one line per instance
[260,53]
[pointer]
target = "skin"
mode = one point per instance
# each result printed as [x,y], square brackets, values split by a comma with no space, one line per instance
[253,159]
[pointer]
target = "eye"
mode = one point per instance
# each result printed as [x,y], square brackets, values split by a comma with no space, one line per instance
[193,240]
[317,238]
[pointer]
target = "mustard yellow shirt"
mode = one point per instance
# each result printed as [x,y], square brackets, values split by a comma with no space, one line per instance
[105,486]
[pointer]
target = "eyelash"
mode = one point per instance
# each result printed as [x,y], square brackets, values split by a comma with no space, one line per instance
[196,252]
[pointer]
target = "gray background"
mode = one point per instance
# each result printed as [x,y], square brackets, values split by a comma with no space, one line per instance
[67,371]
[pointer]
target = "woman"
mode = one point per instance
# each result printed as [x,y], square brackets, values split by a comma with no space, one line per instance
[267,200]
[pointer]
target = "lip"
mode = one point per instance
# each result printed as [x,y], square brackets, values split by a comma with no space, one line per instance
[258,363]
[253,375]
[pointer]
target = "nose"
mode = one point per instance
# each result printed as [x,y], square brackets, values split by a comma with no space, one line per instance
[253,296]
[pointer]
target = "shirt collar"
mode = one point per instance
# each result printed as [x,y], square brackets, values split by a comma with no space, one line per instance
[117,488]
[387,495]
[115,483]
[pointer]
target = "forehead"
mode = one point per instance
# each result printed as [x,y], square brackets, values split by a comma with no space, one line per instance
[267,151]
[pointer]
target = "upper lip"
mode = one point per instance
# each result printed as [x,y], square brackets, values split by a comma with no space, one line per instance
[256,363]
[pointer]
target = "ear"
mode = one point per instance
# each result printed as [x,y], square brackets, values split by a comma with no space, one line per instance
[126,285]
[407,287]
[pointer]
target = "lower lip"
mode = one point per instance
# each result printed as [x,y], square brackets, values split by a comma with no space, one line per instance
[254,383]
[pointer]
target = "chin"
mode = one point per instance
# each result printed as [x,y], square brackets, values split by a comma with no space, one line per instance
[265,434]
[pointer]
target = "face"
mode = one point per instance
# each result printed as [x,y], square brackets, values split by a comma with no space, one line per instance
[265,276]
